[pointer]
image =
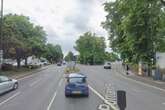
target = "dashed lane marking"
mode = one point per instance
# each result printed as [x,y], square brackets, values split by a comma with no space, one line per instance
[52,100]
[10,98]
[35,82]
[55,94]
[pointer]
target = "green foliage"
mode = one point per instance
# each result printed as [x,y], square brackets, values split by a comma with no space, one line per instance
[91,48]
[136,28]
[111,57]
[69,56]
[21,38]
[53,53]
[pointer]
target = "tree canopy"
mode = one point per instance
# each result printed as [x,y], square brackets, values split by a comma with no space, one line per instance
[91,48]
[53,53]
[69,56]
[22,38]
[111,56]
[136,28]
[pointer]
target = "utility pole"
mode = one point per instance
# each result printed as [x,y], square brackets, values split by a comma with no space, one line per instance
[1,34]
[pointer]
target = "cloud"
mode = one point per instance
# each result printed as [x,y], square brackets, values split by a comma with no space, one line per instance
[63,20]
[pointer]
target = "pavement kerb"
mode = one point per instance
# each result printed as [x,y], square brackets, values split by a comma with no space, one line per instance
[19,77]
[139,82]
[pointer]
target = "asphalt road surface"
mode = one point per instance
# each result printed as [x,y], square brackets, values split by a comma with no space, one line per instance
[45,91]
[139,96]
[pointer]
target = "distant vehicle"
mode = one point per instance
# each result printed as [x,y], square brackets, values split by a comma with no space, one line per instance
[59,64]
[44,61]
[64,63]
[7,84]
[6,66]
[76,85]
[107,65]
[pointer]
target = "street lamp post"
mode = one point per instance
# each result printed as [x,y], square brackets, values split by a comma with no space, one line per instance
[1,34]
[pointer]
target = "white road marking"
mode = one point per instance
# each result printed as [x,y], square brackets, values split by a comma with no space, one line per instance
[144,84]
[59,84]
[35,82]
[163,103]
[102,98]
[52,100]
[28,76]
[54,95]
[10,98]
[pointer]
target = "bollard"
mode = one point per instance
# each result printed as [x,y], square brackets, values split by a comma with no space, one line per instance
[121,99]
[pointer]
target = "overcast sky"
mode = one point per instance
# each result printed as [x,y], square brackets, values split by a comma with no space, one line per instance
[63,20]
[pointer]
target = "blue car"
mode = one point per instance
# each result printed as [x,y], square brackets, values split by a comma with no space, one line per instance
[76,85]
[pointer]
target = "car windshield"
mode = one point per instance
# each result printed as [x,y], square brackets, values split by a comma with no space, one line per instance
[76,80]
[3,78]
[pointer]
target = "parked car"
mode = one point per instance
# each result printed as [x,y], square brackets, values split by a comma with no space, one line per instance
[7,84]
[6,66]
[64,63]
[107,65]
[59,64]
[76,85]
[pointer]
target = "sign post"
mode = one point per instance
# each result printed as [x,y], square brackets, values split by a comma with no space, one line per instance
[1,58]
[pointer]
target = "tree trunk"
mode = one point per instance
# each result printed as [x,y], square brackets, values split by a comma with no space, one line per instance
[140,69]
[26,61]
[18,62]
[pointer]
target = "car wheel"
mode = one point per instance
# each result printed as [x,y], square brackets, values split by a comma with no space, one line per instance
[15,86]
[66,95]
[87,95]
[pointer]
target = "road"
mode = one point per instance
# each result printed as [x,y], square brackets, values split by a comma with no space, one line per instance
[139,96]
[45,91]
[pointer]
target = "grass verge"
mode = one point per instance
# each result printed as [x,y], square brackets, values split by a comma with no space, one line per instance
[15,72]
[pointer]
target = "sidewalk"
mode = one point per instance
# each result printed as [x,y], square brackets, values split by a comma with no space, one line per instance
[146,80]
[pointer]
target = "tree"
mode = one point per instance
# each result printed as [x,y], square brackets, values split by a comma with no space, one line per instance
[136,28]
[69,56]
[91,48]
[53,53]
[111,56]
[21,38]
